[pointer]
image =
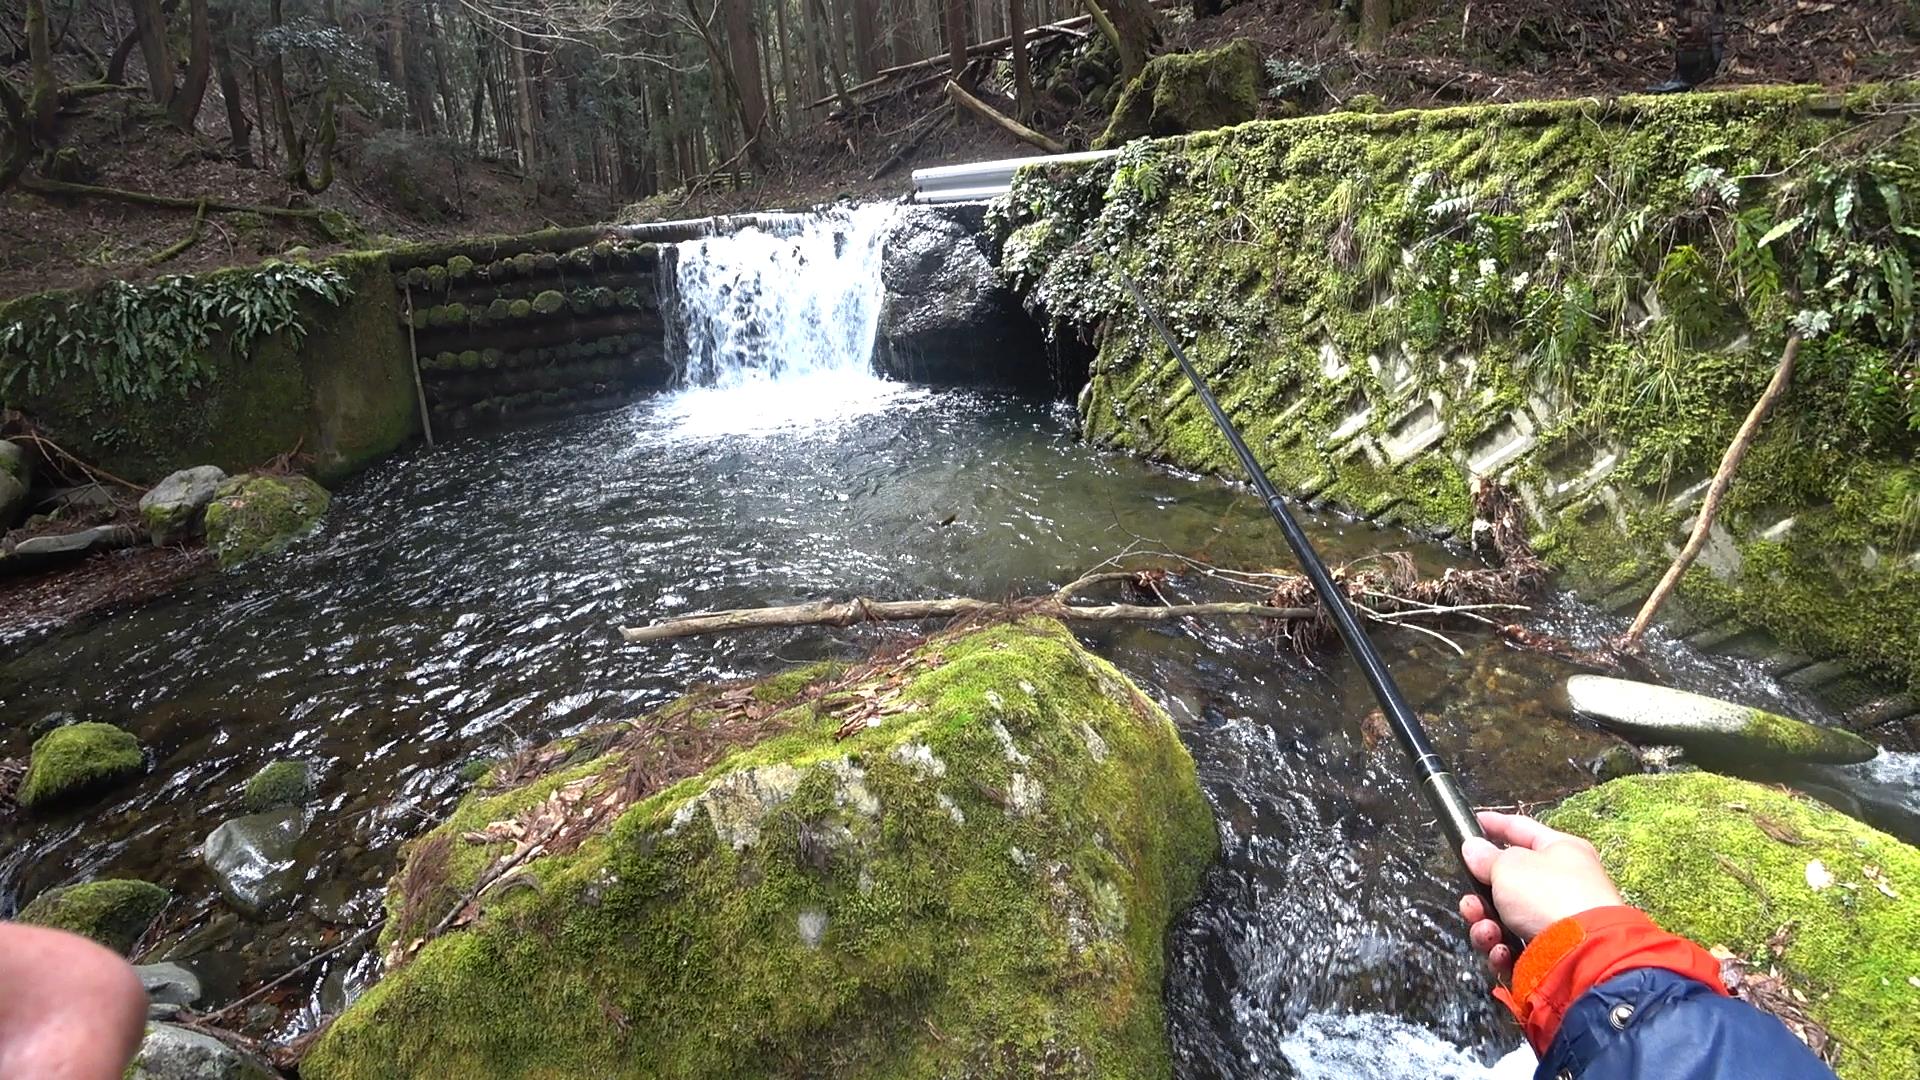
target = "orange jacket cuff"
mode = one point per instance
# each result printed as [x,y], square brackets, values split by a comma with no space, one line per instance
[1582,951]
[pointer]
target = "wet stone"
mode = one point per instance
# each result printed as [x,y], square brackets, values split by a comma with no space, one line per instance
[253,857]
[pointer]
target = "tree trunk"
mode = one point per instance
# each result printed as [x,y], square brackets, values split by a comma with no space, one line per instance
[743,62]
[831,34]
[1132,26]
[239,130]
[523,94]
[1376,18]
[480,76]
[43,94]
[956,22]
[151,24]
[867,53]
[185,107]
[1022,71]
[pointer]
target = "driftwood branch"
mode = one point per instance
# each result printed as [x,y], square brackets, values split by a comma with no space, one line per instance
[862,610]
[1007,123]
[1722,479]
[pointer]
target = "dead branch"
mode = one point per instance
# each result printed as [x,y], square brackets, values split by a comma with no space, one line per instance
[885,75]
[1722,479]
[862,610]
[1007,123]
[41,186]
[926,126]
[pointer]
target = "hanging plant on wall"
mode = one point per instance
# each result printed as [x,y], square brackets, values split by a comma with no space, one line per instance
[151,341]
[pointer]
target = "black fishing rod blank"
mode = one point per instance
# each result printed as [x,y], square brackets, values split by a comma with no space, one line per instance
[1436,782]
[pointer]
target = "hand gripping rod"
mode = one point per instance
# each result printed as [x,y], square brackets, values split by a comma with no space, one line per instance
[1437,784]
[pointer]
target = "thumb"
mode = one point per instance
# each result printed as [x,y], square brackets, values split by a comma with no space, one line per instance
[1479,854]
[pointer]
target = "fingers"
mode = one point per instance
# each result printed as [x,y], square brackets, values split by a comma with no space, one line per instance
[1500,958]
[1517,830]
[1472,909]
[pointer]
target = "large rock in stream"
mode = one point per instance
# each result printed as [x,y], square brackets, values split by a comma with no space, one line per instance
[1711,727]
[253,857]
[78,760]
[944,315]
[1780,881]
[114,912]
[259,514]
[976,881]
[176,508]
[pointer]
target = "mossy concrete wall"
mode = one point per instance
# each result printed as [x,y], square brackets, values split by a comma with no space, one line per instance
[1392,305]
[343,394]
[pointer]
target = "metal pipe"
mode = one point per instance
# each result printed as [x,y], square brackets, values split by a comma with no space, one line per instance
[1436,782]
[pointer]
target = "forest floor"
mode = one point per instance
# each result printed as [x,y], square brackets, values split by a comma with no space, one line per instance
[1484,51]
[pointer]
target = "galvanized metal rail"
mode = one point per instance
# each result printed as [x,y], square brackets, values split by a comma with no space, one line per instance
[979,181]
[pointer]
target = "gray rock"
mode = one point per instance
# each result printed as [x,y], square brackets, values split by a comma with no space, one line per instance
[1614,762]
[944,315]
[13,499]
[1708,728]
[175,1053]
[13,463]
[253,857]
[169,984]
[176,508]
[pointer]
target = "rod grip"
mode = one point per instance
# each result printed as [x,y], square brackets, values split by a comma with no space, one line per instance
[1458,822]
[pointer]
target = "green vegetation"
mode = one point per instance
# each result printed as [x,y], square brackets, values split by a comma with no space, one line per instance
[979,884]
[1725,862]
[114,912]
[277,784]
[79,759]
[258,514]
[1605,286]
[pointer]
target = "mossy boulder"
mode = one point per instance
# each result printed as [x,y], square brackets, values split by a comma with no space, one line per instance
[257,514]
[175,508]
[1709,728]
[1726,862]
[1183,92]
[15,480]
[976,881]
[114,912]
[277,784]
[549,302]
[79,759]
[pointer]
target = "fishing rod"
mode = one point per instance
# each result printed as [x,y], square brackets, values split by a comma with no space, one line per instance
[1436,782]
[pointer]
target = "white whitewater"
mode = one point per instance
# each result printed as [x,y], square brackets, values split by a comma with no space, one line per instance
[773,327]
[1369,1046]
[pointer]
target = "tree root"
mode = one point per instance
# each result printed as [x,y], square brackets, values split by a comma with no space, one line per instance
[175,250]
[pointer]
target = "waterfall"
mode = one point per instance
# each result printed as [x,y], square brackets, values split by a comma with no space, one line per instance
[786,301]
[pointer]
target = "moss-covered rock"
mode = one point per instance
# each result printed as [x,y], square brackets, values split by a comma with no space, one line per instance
[277,784]
[79,759]
[114,912]
[976,882]
[256,514]
[1726,862]
[549,302]
[1710,728]
[1184,92]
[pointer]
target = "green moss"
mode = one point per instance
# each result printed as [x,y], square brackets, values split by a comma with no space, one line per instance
[258,514]
[1182,92]
[1484,259]
[549,302]
[277,784]
[115,912]
[979,885]
[520,309]
[1703,855]
[79,759]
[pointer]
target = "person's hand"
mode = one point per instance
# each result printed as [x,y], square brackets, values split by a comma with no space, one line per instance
[1539,876]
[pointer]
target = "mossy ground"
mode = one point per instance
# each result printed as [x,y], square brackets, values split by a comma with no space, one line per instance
[1724,862]
[114,912]
[1345,281]
[977,886]
[71,761]
[257,514]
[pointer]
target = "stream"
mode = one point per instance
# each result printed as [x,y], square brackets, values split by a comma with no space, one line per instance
[459,603]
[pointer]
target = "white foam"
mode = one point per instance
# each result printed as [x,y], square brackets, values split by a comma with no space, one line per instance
[1370,1046]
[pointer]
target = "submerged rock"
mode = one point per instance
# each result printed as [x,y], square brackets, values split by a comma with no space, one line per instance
[1185,92]
[944,315]
[15,482]
[258,514]
[1709,726]
[176,1053]
[175,509]
[253,857]
[79,759]
[1780,881]
[278,784]
[114,912]
[883,905]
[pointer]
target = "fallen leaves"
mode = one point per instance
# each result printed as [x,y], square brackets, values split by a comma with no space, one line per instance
[875,693]
[1878,879]
[1768,990]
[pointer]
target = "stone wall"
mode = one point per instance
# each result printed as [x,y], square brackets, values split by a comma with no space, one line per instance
[1569,296]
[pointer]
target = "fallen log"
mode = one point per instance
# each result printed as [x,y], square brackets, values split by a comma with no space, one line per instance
[1006,123]
[861,610]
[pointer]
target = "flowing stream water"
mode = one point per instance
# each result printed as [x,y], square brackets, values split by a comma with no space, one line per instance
[462,602]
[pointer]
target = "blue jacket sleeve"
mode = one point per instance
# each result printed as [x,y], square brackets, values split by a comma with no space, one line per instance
[1649,1023]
